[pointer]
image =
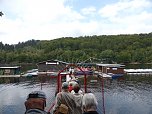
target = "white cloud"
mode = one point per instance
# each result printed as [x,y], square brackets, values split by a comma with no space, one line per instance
[89,10]
[124,6]
[127,17]
[37,19]
[49,19]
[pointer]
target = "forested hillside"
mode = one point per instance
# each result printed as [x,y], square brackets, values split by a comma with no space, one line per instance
[112,48]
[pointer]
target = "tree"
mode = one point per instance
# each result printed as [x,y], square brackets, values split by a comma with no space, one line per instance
[1,14]
[108,56]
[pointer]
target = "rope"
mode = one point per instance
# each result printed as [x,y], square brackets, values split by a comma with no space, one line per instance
[52,105]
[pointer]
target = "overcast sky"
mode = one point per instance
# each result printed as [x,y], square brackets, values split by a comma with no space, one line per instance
[50,19]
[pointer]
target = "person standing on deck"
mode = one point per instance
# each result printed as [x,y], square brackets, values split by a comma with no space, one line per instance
[65,97]
[78,99]
[77,87]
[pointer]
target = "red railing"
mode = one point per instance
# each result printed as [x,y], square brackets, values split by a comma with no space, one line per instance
[59,77]
[59,81]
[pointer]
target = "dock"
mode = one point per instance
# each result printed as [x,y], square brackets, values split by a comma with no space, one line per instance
[10,71]
[9,76]
[138,71]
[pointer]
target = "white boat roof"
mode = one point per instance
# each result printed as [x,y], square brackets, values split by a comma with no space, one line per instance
[111,65]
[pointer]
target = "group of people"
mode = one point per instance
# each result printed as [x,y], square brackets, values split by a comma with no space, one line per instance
[76,101]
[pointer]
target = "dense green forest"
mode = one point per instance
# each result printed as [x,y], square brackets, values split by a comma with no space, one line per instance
[135,48]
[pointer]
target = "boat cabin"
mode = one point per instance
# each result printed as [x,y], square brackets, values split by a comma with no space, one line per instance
[51,66]
[10,71]
[111,68]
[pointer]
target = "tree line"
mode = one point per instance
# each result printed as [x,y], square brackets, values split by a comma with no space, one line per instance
[134,48]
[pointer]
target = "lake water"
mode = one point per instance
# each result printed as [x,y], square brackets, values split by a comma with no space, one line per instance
[128,95]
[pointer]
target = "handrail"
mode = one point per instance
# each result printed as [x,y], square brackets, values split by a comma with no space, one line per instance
[59,77]
[103,103]
[59,82]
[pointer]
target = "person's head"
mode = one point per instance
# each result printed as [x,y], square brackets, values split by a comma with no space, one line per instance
[89,102]
[65,86]
[70,84]
[76,88]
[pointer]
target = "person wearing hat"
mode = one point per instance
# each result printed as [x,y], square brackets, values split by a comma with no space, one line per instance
[66,98]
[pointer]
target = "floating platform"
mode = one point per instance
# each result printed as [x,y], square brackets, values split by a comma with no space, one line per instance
[110,75]
[9,76]
[138,71]
[52,73]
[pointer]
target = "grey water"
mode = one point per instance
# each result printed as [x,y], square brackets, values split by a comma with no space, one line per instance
[126,95]
[14,92]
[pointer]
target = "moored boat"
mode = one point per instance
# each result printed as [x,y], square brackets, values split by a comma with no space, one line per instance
[110,70]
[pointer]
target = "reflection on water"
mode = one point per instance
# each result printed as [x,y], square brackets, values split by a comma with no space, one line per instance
[130,95]
[13,95]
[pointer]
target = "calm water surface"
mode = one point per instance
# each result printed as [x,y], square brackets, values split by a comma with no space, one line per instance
[128,95]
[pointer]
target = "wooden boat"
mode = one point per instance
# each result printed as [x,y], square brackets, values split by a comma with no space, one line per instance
[110,70]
